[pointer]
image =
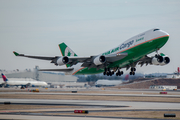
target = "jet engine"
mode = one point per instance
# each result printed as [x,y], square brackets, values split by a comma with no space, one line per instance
[99,60]
[157,60]
[160,60]
[62,60]
[166,60]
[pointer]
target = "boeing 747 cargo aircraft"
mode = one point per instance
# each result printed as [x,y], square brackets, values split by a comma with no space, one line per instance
[127,55]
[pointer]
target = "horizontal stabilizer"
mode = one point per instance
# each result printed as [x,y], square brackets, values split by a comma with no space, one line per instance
[61,70]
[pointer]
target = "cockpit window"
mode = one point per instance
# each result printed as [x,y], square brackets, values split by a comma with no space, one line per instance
[156,29]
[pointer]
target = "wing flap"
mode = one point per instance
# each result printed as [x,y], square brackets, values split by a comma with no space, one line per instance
[145,60]
[115,57]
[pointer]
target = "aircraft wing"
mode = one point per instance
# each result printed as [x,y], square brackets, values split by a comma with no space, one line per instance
[35,57]
[109,59]
[89,61]
[53,59]
[145,60]
[115,57]
[63,70]
[73,60]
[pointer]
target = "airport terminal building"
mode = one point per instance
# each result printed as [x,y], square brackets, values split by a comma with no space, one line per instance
[41,76]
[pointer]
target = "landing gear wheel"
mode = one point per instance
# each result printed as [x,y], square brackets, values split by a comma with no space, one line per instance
[105,71]
[133,73]
[121,72]
[110,73]
[117,74]
[133,69]
[130,73]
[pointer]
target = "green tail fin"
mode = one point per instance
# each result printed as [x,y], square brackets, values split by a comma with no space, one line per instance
[66,51]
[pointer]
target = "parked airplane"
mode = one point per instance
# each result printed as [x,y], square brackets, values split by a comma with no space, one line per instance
[126,55]
[22,83]
[178,71]
[176,74]
[106,83]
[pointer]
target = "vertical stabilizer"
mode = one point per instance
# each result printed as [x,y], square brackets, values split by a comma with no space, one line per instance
[4,77]
[66,51]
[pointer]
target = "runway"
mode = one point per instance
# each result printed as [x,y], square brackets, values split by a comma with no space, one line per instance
[114,104]
[106,108]
[96,94]
[65,117]
[93,106]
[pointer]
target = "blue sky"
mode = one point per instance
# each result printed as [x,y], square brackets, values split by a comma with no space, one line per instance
[36,27]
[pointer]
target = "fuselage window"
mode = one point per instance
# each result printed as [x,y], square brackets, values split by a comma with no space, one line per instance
[156,29]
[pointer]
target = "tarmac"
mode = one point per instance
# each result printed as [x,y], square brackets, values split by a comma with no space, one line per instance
[96,94]
[93,106]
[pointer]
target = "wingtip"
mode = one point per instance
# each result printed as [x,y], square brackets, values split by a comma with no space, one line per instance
[15,53]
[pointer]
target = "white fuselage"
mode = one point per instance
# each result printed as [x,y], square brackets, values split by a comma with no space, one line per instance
[141,38]
[32,83]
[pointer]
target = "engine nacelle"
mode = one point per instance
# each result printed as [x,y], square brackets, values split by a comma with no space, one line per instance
[166,60]
[99,60]
[157,60]
[63,60]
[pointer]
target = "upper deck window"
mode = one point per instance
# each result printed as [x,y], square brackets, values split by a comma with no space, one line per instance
[155,29]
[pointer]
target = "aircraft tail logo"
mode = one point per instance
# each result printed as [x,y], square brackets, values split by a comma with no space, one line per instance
[4,77]
[66,51]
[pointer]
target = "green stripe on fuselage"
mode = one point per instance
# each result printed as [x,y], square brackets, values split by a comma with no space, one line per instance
[134,54]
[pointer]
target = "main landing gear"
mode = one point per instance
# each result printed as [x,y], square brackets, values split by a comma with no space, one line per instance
[108,72]
[119,73]
[132,71]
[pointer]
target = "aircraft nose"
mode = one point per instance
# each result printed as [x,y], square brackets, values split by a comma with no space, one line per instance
[163,33]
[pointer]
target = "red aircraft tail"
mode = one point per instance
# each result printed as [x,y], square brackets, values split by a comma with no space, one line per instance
[4,77]
[127,77]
